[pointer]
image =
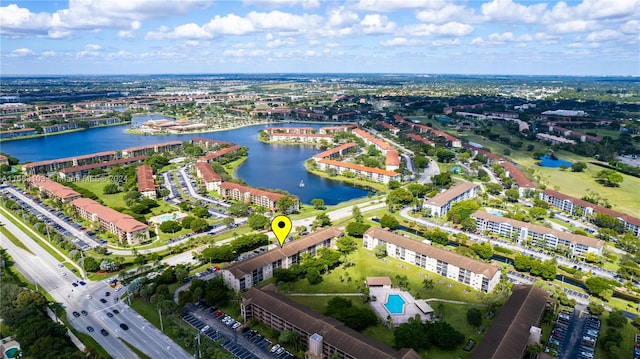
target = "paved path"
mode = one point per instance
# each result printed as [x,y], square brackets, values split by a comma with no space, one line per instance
[453,302]
[429,172]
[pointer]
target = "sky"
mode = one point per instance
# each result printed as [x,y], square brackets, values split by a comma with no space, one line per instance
[509,37]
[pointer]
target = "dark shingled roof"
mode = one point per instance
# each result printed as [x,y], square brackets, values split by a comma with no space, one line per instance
[332,330]
[508,335]
[247,266]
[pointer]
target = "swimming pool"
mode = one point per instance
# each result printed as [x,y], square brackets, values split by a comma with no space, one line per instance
[395,304]
[495,212]
[11,352]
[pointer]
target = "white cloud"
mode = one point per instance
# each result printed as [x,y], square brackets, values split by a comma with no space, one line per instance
[572,26]
[448,29]
[21,52]
[377,24]
[281,43]
[401,41]
[229,25]
[509,11]
[340,17]
[21,21]
[126,34]
[394,5]
[48,53]
[630,27]
[245,53]
[603,35]
[306,4]
[446,42]
[277,20]
[92,47]
[448,13]
[500,39]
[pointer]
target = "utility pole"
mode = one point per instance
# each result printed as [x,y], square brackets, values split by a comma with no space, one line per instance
[160,314]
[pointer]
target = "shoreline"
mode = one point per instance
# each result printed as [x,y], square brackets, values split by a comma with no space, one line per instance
[133,132]
[59,132]
[377,188]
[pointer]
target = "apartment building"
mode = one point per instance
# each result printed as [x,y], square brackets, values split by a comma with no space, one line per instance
[126,228]
[215,156]
[336,152]
[476,274]
[210,178]
[577,206]
[252,195]
[336,129]
[392,161]
[302,137]
[209,144]
[421,139]
[541,236]
[57,164]
[151,149]
[370,173]
[323,336]
[146,182]
[79,171]
[52,189]
[440,204]
[518,177]
[370,139]
[248,273]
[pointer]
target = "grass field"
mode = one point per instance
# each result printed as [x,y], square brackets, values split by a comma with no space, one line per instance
[626,347]
[624,198]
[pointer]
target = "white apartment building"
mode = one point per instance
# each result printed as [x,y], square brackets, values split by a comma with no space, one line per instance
[478,275]
[440,204]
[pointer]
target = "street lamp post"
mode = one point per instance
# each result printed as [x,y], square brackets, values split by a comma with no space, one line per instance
[160,315]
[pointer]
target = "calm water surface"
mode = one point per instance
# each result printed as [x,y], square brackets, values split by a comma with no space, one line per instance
[271,166]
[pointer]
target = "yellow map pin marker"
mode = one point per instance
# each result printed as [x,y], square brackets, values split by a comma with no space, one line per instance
[281,226]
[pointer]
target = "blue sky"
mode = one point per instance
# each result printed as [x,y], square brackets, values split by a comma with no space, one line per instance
[586,37]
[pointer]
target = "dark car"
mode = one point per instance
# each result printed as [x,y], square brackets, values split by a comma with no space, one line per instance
[90,329]
[74,284]
[109,314]
[115,311]
[104,332]
[84,312]
[76,314]
[124,326]
[102,300]
[106,294]
[82,282]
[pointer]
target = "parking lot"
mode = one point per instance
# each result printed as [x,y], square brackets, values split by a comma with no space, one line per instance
[241,342]
[574,335]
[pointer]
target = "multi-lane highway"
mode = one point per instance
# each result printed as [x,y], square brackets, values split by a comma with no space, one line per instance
[43,269]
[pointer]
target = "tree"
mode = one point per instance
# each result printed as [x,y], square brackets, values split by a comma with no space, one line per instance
[199,225]
[200,212]
[617,319]
[170,226]
[462,210]
[483,250]
[289,337]
[393,184]
[537,212]
[357,215]
[444,155]
[596,308]
[238,209]
[512,194]
[186,221]
[493,188]
[224,253]
[630,243]
[90,264]
[389,221]
[427,284]
[110,188]
[474,317]
[228,221]
[442,179]
[322,220]
[258,221]
[285,205]
[596,285]
[346,244]
[318,203]
[380,250]
[314,277]
[609,178]
[355,318]
[399,197]
[356,229]
[578,167]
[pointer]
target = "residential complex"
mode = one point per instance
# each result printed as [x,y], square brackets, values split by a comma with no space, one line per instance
[370,139]
[440,204]
[370,173]
[126,228]
[250,272]
[79,171]
[336,152]
[42,167]
[216,155]
[516,325]
[210,178]
[146,182]
[579,207]
[450,140]
[252,195]
[52,189]
[323,336]
[151,149]
[542,236]
[478,275]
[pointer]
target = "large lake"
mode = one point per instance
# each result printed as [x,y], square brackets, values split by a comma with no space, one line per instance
[270,166]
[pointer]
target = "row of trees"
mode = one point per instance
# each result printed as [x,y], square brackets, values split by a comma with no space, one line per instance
[422,335]
[545,269]
[229,252]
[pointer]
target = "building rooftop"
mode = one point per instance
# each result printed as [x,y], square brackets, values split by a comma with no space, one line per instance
[599,209]
[359,167]
[574,238]
[331,151]
[124,222]
[60,191]
[207,173]
[332,331]
[488,270]
[273,196]
[445,197]
[508,335]
[121,161]
[145,178]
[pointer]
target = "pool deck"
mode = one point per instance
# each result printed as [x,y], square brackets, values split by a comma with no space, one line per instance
[410,308]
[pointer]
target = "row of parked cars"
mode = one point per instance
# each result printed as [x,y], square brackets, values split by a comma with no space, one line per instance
[275,350]
[559,333]
[589,338]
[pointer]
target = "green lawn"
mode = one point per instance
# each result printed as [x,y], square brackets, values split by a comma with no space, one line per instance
[624,198]
[110,200]
[626,347]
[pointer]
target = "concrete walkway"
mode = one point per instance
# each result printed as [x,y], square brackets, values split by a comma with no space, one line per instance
[453,302]
[323,294]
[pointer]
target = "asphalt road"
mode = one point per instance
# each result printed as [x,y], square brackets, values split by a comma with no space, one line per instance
[429,172]
[42,268]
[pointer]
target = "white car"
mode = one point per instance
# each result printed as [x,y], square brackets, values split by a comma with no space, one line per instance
[235,326]
[89,297]
[275,348]
[205,328]
[63,273]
